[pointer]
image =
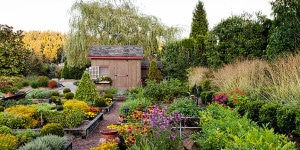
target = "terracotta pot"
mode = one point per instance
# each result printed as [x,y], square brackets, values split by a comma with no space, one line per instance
[109,134]
[8,94]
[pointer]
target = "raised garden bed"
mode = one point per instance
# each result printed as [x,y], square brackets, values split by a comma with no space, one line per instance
[119,98]
[107,108]
[83,131]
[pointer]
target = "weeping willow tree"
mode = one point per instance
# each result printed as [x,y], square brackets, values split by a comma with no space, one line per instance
[113,22]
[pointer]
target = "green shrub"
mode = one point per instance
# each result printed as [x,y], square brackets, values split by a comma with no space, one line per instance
[8,103]
[54,93]
[100,102]
[25,83]
[5,130]
[108,95]
[18,85]
[48,142]
[66,90]
[1,108]
[26,136]
[297,122]
[267,115]
[207,96]
[11,79]
[53,129]
[69,95]
[134,104]
[285,119]
[34,84]
[17,121]
[185,106]
[165,90]
[206,84]
[74,118]
[86,90]
[55,117]
[39,94]
[8,142]
[43,81]
[253,109]
[223,128]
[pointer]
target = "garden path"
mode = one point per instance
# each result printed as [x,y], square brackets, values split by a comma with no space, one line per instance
[111,117]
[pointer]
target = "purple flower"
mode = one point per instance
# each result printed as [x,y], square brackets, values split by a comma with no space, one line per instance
[171,136]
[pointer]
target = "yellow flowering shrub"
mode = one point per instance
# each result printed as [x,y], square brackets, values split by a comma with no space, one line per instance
[108,101]
[26,111]
[90,115]
[8,142]
[107,145]
[76,104]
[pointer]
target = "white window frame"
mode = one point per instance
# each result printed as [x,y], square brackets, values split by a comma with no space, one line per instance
[95,71]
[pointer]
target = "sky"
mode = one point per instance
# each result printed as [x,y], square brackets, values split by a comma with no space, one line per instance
[54,15]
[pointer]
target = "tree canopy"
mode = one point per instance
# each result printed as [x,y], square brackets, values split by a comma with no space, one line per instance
[113,23]
[12,52]
[285,31]
[46,45]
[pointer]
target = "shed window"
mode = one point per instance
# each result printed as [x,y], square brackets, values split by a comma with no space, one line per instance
[98,71]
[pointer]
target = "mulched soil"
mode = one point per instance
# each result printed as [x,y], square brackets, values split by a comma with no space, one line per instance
[111,117]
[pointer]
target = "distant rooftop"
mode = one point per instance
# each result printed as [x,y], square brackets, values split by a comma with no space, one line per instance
[116,52]
[146,64]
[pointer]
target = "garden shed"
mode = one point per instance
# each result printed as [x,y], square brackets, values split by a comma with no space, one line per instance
[121,63]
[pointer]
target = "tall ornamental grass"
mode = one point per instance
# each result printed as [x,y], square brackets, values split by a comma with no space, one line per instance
[277,82]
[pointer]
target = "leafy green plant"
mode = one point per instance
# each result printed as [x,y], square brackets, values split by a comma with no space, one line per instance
[165,90]
[25,83]
[100,102]
[17,121]
[18,85]
[74,118]
[39,94]
[5,130]
[53,129]
[26,136]
[1,108]
[185,106]
[10,103]
[207,96]
[297,122]
[134,104]
[52,142]
[223,128]
[34,84]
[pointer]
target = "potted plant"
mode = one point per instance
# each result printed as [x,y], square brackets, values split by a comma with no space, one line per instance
[7,89]
[105,79]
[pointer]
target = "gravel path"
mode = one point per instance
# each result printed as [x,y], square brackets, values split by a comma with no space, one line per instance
[92,140]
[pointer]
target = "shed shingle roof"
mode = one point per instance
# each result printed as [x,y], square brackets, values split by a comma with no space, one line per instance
[116,52]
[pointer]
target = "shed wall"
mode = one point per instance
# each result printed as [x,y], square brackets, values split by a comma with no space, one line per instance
[118,69]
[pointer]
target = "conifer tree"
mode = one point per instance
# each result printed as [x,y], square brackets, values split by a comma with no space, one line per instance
[154,73]
[199,31]
[199,24]
[86,90]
